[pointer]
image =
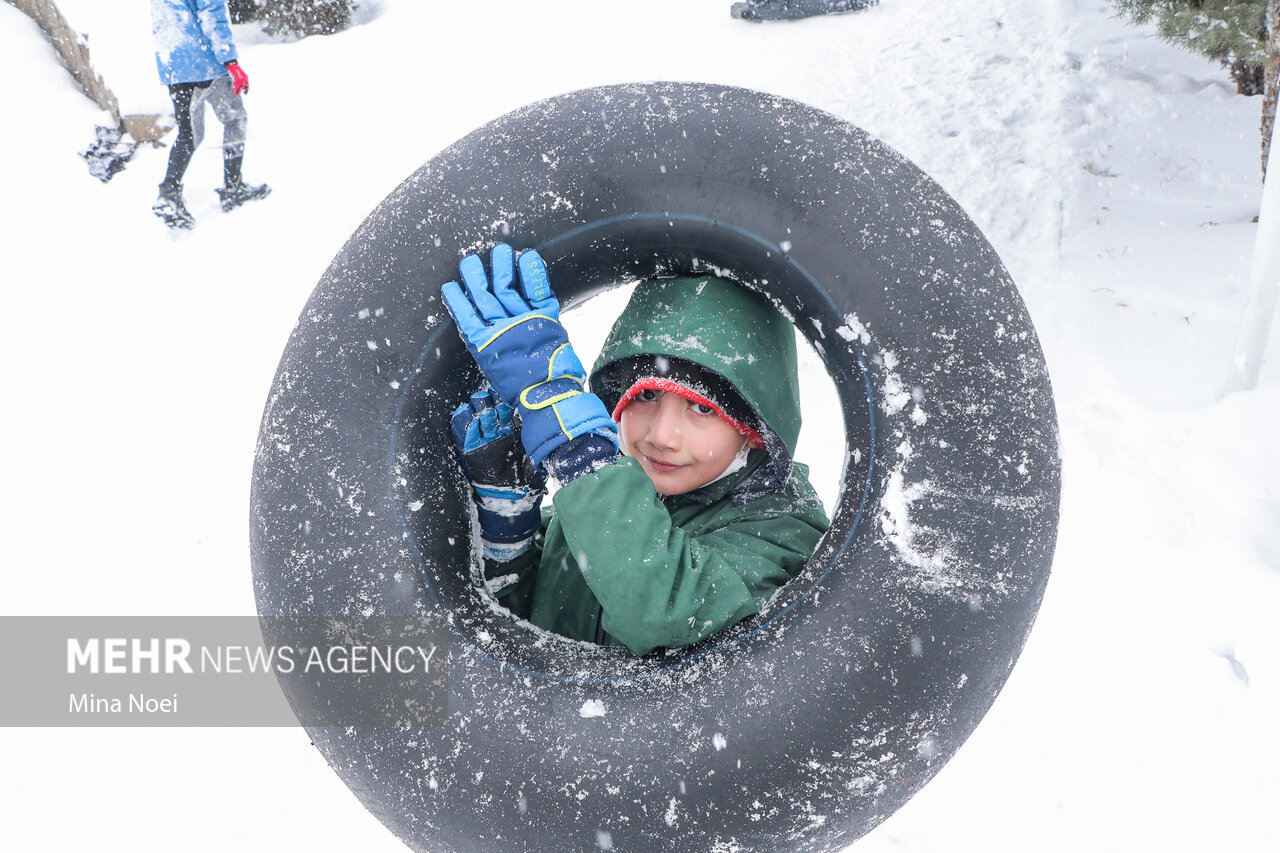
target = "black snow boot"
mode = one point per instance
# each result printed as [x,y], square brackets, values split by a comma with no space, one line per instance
[234,195]
[170,207]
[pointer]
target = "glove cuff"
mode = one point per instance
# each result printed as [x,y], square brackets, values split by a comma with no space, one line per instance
[563,414]
[507,517]
[585,454]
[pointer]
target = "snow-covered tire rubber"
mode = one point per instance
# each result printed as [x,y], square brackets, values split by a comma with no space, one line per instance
[798,730]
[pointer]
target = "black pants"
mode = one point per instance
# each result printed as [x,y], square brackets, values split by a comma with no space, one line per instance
[189,100]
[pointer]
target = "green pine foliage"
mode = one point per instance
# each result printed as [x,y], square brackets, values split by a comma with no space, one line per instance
[1230,31]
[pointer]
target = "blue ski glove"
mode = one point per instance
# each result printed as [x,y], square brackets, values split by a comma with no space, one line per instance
[506,487]
[513,331]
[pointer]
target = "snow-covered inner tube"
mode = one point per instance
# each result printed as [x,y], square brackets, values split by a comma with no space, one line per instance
[798,730]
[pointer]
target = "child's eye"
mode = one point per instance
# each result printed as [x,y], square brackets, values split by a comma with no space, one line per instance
[648,395]
[703,410]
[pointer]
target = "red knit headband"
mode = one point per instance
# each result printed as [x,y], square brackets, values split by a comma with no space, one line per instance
[653,383]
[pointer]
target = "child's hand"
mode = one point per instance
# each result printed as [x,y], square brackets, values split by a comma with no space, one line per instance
[485,307]
[488,444]
[239,79]
[506,487]
[512,329]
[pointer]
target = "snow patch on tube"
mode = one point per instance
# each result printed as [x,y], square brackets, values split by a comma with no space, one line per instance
[905,536]
[938,566]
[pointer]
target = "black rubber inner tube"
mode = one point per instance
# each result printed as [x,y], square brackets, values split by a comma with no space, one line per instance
[798,730]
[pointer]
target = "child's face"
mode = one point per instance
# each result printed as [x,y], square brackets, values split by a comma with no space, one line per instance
[681,445]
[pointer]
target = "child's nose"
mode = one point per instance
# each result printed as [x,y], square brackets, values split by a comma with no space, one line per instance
[665,428]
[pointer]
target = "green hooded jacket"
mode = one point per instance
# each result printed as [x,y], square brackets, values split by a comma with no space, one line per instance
[615,562]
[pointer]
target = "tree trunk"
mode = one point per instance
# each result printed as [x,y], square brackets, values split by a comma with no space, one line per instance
[1272,86]
[1260,307]
[74,54]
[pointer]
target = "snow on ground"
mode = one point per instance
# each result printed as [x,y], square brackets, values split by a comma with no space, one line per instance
[1117,177]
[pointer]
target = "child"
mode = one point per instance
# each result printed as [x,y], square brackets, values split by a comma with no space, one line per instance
[680,510]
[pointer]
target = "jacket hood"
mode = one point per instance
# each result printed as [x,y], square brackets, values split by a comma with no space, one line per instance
[725,329]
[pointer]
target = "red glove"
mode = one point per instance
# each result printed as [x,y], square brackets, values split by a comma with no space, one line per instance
[239,80]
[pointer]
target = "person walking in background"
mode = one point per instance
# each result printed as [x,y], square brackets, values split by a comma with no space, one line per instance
[197,60]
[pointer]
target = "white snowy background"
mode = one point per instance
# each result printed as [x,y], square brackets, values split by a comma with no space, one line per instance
[1118,178]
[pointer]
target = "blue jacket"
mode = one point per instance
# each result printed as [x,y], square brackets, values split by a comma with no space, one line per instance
[193,39]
